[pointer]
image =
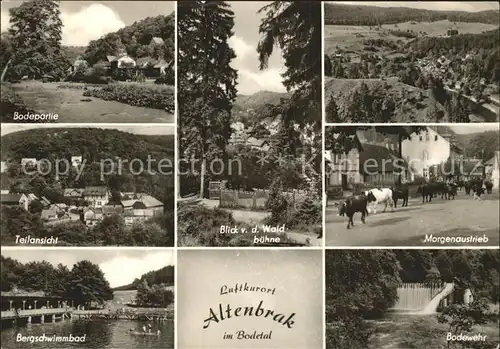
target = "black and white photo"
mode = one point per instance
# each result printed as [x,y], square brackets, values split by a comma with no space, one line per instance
[87,61]
[442,299]
[411,62]
[412,185]
[249,124]
[81,298]
[87,186]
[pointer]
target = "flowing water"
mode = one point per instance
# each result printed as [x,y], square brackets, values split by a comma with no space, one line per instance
[99,334]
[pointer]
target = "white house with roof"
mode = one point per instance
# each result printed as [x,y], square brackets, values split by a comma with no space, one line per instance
[426,149]
[76,161]
[96,196]
[493,169]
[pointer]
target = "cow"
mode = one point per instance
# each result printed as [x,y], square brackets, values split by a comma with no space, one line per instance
[353,204]
[451,190]
[489,187]
[477,190]
[471,184]
[383,196]
[401,192]
[426,190]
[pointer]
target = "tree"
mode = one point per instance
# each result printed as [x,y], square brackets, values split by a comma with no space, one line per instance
[36,32]
[86,282]
[207,83]
[295,27]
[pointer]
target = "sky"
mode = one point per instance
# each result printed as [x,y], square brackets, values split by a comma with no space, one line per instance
[244,42]
[120,266]
[137,129]
[469,6]
[89,20]
[473,128]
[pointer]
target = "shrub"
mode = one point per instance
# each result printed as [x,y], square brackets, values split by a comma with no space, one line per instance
[156,97]
[309,213]
[10,102]
[200,226]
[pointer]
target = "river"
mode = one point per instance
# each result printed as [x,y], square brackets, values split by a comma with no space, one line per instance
[99,334]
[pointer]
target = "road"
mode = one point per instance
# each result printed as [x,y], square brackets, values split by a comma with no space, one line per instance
[408,226]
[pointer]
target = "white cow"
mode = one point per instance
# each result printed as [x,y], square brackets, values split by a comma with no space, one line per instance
[383,196]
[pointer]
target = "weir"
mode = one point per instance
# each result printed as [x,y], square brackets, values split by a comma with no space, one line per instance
[421,298]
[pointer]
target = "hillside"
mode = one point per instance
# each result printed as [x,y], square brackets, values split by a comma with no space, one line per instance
[480,145]
[164,275]
[373,15]
[253,108]
[398,101]
[135,39]
[91,143]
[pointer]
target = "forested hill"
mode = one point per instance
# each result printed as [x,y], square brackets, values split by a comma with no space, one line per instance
[163,276]
[373,15]
[92,143]
[252,108]
[135,39]
[481,145]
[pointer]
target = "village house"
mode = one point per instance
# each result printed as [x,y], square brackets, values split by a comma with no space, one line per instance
[96,196]
[92,216]
[492,169]
[20,200]
[109,210]
[431,147]
[3,167]
[472,168]
[141,207]
[73,195]
[29,162]
[375,165]
[76,161]
[155,40]
[50,213]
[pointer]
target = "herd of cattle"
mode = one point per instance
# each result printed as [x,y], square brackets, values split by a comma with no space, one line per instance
[367,201]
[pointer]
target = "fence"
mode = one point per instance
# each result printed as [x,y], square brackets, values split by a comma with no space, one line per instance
[256,200]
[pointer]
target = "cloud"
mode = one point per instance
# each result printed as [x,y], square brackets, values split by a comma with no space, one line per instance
[250,82]
[88,24]
[240,47]
[114,269]
[250,78]
[79,28]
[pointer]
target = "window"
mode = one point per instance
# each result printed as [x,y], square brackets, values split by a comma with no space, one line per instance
[420,138]
[336,159]
[427,137]
[425,173]
[425,155]
[435,138]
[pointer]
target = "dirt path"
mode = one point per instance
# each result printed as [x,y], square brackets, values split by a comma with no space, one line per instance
[408,226]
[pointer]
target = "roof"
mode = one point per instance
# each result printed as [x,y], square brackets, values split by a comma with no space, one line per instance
[157,40]
[111,209]
[111,58]
[46,213]
[73,192]
[376,157]
[95,191]
[11,198]
[161,63]
[147,200]
[143,61]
